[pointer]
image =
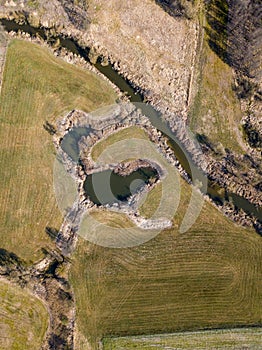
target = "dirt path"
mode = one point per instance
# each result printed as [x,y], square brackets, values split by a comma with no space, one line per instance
[3,49]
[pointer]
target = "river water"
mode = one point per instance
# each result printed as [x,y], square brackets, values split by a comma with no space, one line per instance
[217,194]
[107,187]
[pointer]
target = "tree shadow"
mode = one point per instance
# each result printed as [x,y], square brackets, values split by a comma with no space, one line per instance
[52,232]
[217,16]
[8,258]
[49,128]
[77,15]
[234,33]
[252,136]
[177,8]
[173,8]
[206,144]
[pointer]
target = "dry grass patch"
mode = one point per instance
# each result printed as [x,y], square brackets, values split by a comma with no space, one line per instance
[156,50]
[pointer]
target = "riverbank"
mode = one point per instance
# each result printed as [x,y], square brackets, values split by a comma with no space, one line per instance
[115,120]
[231,181]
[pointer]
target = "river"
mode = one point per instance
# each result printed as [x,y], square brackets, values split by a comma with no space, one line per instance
[120,188]
[217,194]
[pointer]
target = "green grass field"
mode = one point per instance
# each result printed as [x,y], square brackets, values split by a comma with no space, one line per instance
[24,319]
[216,110]
[127,133]
[235,339]
[110,218]
[209,276]
[37,87]
[148,208]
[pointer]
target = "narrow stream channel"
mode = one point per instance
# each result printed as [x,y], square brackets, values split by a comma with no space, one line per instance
[155,117]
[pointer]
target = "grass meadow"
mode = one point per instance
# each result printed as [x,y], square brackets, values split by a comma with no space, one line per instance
[37,87]
[215,111]
[24,319]
[207,277]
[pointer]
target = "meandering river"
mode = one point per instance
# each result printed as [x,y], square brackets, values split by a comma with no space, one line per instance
[217,194]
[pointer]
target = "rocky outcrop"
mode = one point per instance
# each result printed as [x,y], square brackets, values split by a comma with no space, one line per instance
[179,8]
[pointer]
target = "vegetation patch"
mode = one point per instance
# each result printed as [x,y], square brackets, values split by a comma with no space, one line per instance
[152,202]
[24,319]
[133,132]
[112,219]
[216,111]
[37,88]
[179,8]
[246,338]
